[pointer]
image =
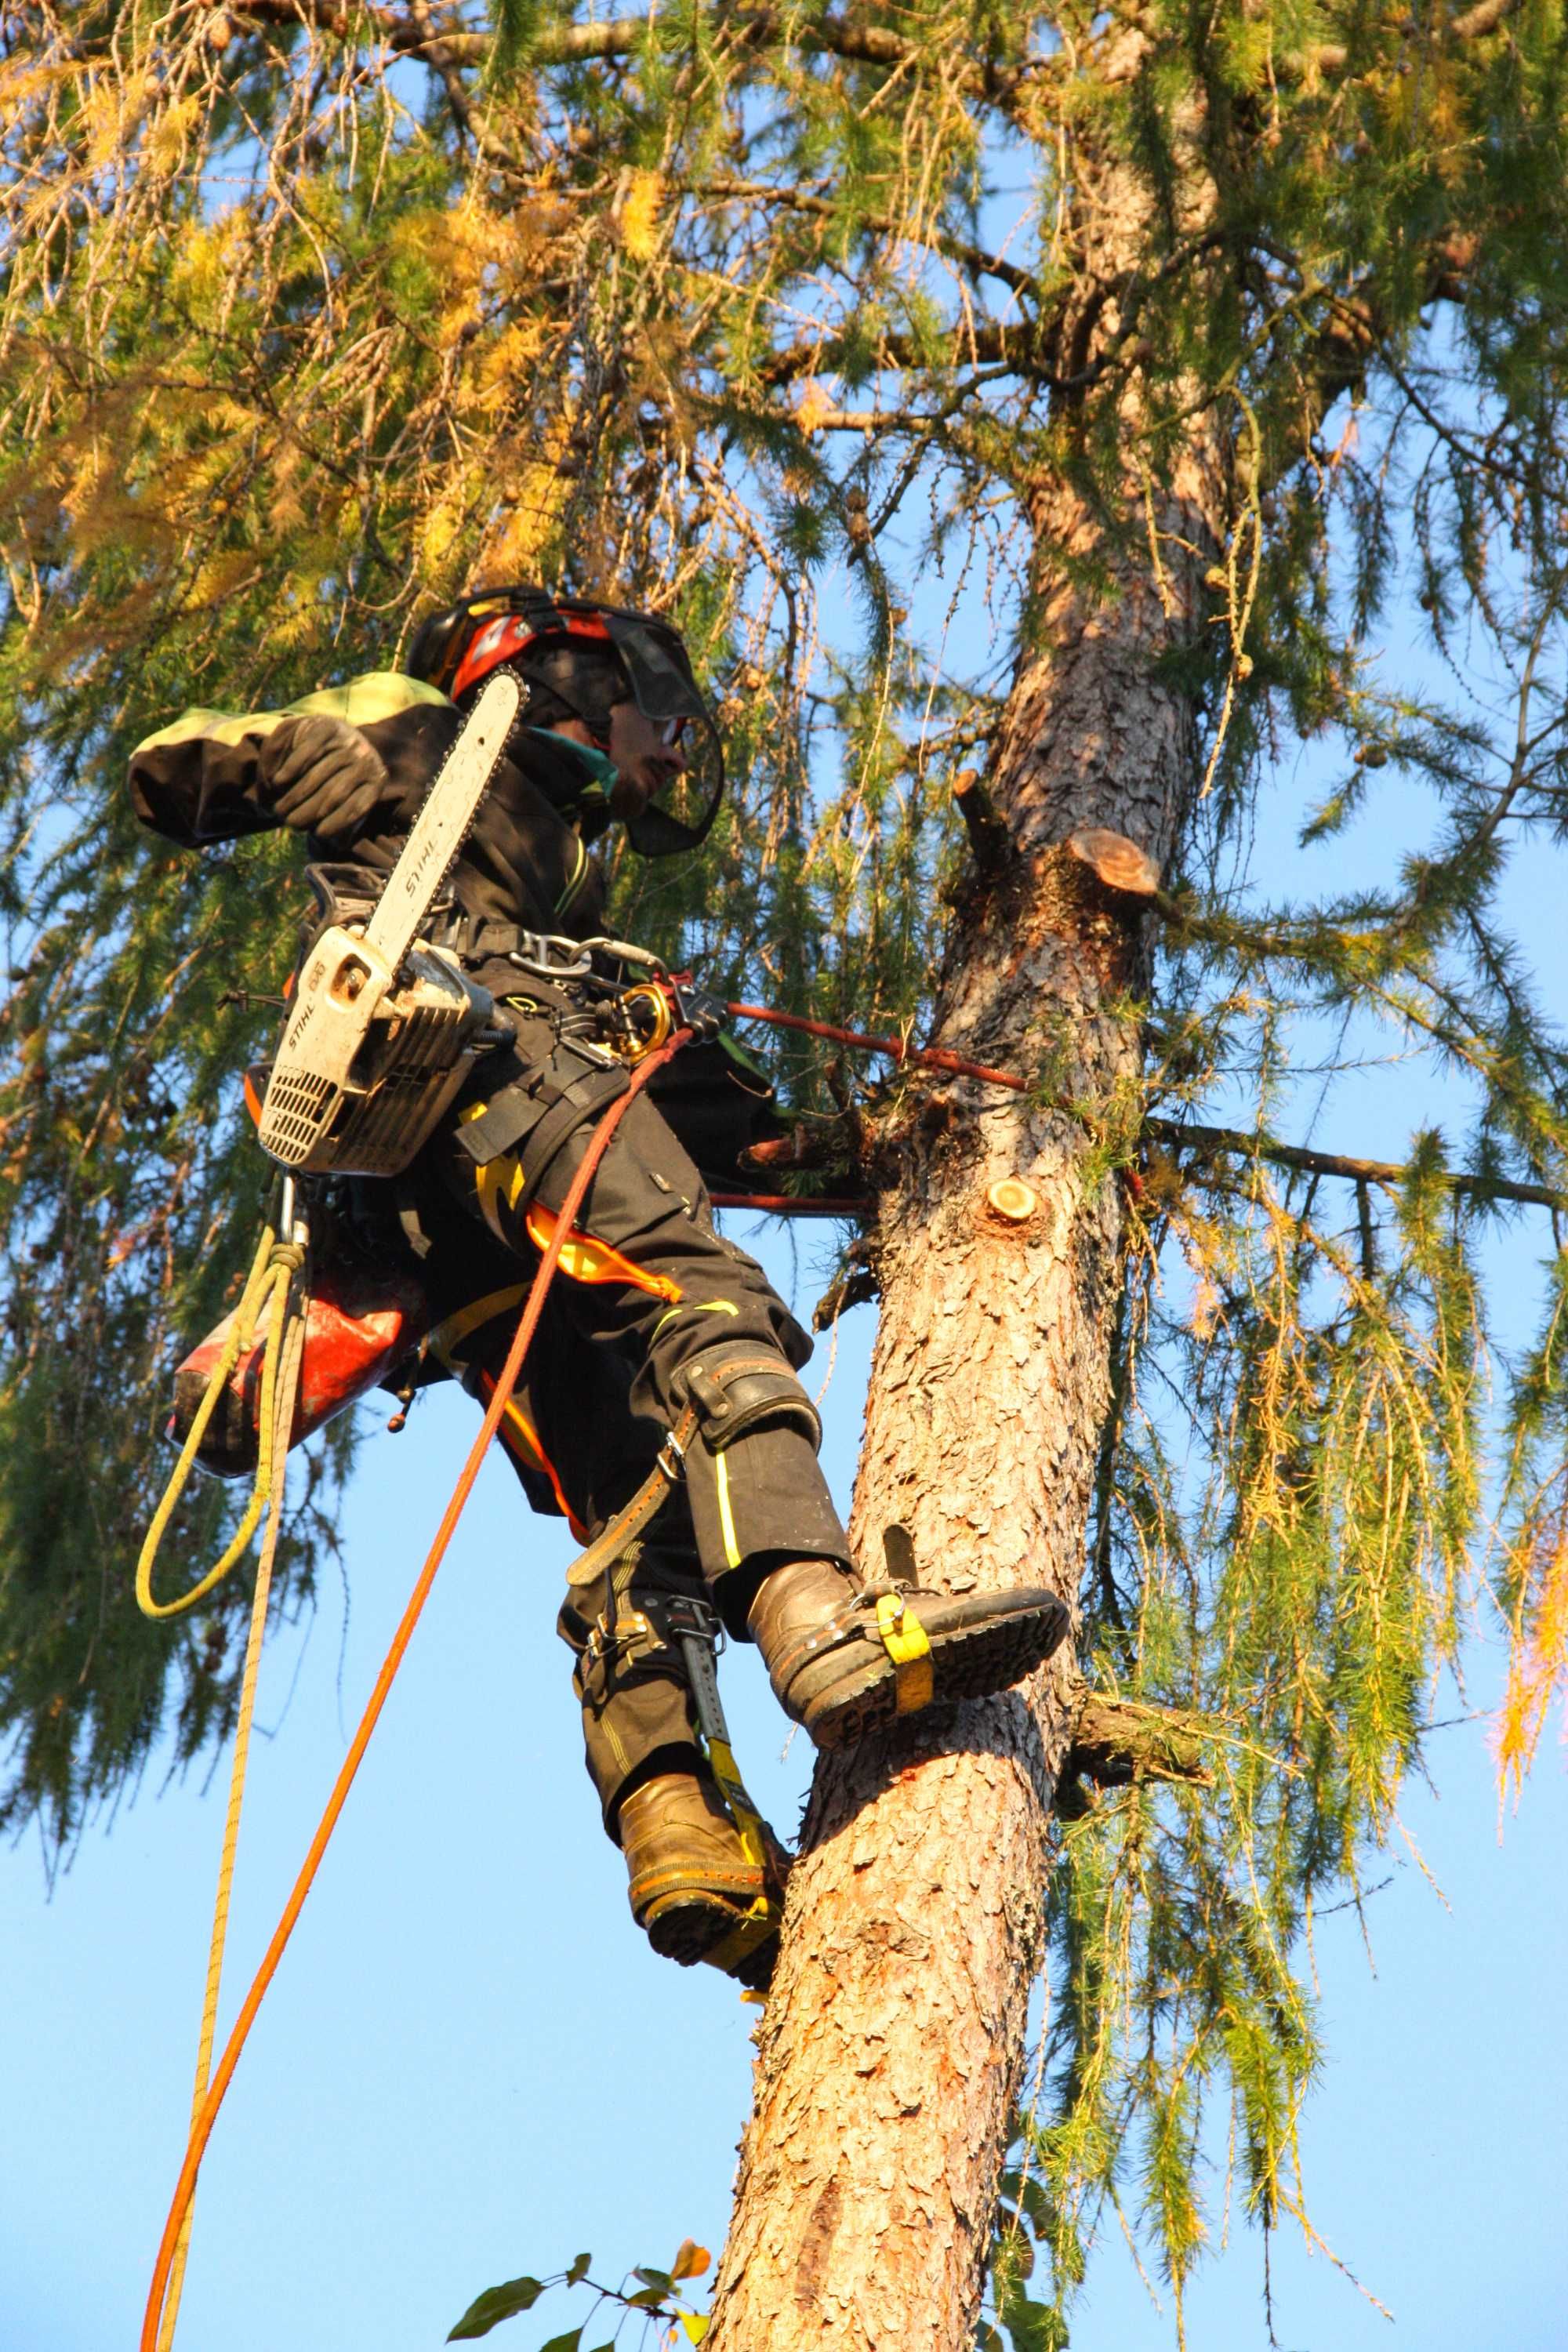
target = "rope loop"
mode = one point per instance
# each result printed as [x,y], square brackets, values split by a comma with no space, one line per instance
[271,1289]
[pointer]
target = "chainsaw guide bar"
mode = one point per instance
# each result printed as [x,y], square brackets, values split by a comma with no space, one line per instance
[381,1033]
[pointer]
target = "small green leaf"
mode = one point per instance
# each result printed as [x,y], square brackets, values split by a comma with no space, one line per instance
[1030,2197]
[663,2280]
[648,2298]
[579,2269]
[567,2342]
[496,2304]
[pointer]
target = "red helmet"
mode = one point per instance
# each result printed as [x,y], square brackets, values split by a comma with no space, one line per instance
[509,638]
[589,655]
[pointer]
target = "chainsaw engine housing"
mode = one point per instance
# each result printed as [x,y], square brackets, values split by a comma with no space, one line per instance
[369,1059]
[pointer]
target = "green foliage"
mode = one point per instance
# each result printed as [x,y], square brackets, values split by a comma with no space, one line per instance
[496,2304]
[657,2301]
[305,324]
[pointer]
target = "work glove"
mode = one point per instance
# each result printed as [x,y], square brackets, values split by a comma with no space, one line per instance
[323,776]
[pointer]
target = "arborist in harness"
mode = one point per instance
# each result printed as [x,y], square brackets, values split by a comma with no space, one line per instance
[665,1348]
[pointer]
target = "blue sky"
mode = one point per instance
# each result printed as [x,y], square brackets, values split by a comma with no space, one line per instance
[471,2066]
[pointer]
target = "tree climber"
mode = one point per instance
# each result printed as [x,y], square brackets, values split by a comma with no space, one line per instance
[660,1325]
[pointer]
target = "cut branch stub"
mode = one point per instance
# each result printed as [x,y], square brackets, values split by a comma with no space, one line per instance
[1116,862]
[1116,1740]
[988,835]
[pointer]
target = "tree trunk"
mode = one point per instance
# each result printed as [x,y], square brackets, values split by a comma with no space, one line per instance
[891,2048]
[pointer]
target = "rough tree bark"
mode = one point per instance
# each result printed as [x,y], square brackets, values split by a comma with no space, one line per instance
[890,2050]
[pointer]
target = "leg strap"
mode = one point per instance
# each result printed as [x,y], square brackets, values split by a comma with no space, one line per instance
[650,1497]
[737,1389]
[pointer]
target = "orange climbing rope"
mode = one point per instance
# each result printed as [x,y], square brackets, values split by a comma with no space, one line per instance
[201,2122]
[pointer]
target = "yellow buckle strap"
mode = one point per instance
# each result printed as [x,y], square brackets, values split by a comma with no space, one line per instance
[742,1813]
[904,1639]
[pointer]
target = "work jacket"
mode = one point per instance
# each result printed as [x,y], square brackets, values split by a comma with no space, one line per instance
[526,864]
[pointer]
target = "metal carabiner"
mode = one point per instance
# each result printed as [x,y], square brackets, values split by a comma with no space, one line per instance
[539,956]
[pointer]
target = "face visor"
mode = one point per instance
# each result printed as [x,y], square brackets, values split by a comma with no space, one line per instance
[460,648]
[666,691]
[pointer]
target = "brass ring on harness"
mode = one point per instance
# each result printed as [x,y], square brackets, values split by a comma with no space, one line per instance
[640,1045]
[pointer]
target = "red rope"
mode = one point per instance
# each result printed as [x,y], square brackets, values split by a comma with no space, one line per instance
[788,1204]
[201,2125]
[933,1057]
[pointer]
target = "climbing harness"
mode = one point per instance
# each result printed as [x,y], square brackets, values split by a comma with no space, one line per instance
[156,2336]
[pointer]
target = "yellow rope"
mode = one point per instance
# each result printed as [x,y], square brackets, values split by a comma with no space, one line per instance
[267,1286]
[279,1387]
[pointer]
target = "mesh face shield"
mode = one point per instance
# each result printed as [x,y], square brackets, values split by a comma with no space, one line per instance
[538,635]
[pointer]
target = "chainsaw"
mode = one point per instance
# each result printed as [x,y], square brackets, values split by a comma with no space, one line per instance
[384,1027]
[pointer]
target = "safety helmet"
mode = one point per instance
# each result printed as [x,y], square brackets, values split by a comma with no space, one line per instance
[588,655]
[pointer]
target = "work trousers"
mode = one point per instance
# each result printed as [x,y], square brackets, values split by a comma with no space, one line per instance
[646,1294]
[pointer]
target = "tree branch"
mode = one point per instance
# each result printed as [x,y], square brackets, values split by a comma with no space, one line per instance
[988,835]
[414,35]
[1177,1134]
[972,258]
[1116,1741]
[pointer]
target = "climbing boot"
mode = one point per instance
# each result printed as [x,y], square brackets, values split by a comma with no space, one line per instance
[845,1657]
[694,1889]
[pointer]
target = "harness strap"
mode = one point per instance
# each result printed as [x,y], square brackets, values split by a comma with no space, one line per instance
[544,1106]
[650,1497]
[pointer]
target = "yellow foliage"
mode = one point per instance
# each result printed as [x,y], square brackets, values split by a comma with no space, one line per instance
[441,528]
[639,215]
[81,491]
[513,352]
[461,243]
[299,618]
[1539,1665]
[165,144]
[536,222]
[814,404]
[206,258]
[113,104]
[218,578]
[530,522]
[21,82]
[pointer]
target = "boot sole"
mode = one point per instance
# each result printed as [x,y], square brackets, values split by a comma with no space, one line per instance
[684,1927]
[973,1654]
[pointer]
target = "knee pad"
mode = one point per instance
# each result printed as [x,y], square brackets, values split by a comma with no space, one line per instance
[739,1389]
